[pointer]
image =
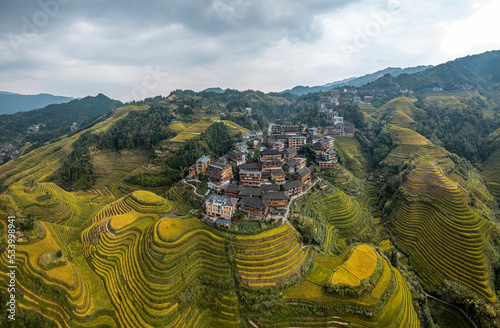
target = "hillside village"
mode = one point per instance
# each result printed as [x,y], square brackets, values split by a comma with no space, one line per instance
[253,181]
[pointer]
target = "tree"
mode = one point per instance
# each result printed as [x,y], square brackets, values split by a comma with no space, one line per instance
[309,231]
[309,152]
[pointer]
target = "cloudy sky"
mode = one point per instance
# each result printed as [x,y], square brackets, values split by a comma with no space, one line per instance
[132,49]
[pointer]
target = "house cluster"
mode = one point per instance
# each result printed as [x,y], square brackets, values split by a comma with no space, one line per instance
[8,152]
[344,96]
[260,189]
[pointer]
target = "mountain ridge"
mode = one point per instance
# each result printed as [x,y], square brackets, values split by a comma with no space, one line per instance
[358,81]
[11,102]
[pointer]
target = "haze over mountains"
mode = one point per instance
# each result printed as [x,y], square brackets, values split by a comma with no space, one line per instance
[358,81]
[11,103]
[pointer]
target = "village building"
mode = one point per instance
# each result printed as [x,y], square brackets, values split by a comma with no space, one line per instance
[224,159]
[265,188]
[289,128]
[250,178]
[302,175]
[276,202]
[278,145]
[291,166]
[293,188]
[250,192]
[330,130]
[271,154]
[281,138]
[296,141]
[199,168]
[326,165]
[241,146]
[250,166]
[219,174]
[231,190]
[238,157]
[322,145]
[289,153]
[220,206]
[248,111]
[253,207]
[278,175]
[270,164]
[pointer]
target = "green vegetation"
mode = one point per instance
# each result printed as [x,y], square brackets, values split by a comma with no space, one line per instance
[124,247]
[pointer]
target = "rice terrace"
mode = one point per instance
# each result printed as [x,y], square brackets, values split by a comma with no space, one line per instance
[346,207]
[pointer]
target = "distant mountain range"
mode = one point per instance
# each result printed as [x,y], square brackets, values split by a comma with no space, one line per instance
[358,81]
[11,103]
[480,72]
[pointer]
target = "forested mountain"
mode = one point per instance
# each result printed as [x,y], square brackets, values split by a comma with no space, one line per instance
[55,120]
[357,81]
[480,71]
[11,103]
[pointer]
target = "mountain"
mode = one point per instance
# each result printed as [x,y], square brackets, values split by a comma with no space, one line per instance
[358,81]
[216,90]
[11,103]
[481,71]
[56,119]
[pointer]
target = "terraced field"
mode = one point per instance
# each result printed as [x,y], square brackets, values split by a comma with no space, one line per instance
[492,173]
[406,136]
[196,129]
[339,213]
[82,299]
[387,304]
[156,260]
[401,111]
[350,149]
[270,258]
[446,238]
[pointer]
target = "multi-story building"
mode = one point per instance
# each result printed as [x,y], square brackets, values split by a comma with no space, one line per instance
[289,128]
[231,190]
[330,130]
[270,164]
[326,165]
[278,145]
[322,145]
[278,175]
[250,178]
[238,157]
[219,175]
[199,168]
[271,154]
[292,188]
[303,175]
[220,206]
[241,146]
[253,207]
[277,201]
[296,141]
[289,153]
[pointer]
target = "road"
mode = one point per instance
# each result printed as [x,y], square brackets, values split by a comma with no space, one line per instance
[195,192]
[455,307]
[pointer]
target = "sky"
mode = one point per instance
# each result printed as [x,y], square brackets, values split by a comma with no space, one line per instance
[136,49]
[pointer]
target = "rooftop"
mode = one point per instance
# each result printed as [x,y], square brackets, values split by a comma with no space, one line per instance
[204,159]
[254,202]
